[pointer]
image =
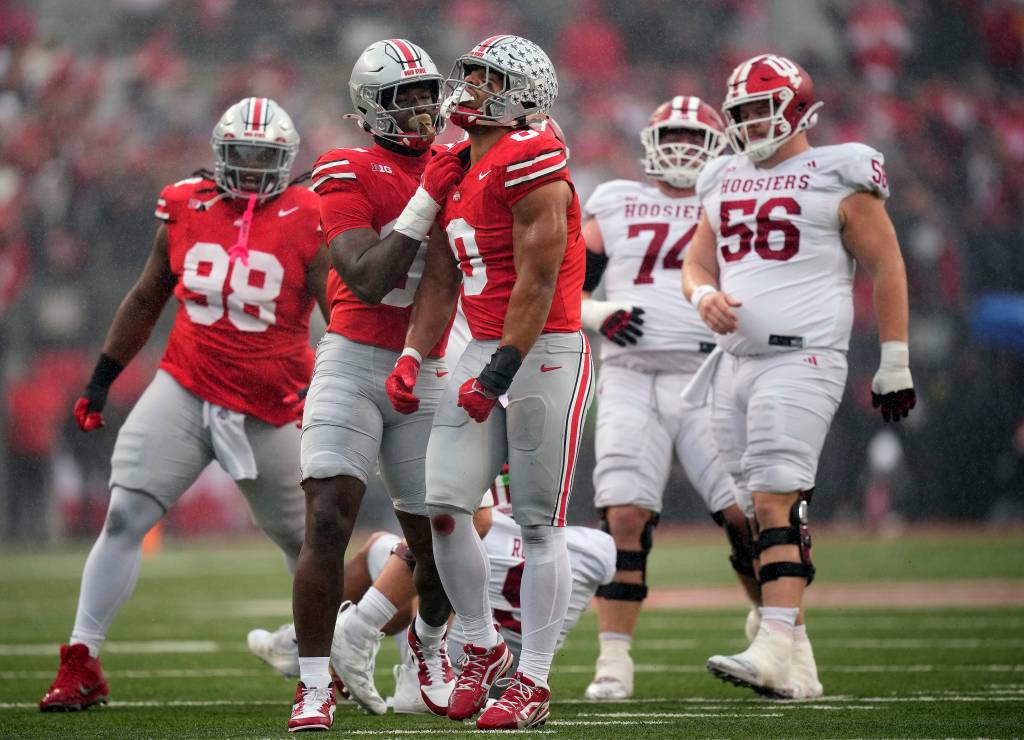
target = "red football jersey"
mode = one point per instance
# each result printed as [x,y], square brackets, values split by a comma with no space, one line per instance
[478,220]
[368,189]
[241,335]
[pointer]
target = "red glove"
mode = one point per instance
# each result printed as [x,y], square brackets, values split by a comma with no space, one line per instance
[443,172]
[297,401]
[476,400]
[88,419]
[400,383]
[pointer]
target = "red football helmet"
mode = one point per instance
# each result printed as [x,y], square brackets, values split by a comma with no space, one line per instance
[789,91]
[679,163]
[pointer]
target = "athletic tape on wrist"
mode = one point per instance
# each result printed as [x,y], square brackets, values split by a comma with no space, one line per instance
[418,216]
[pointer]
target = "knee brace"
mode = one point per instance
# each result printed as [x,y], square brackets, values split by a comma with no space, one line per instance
[797,533]
[741,539]
[635,560]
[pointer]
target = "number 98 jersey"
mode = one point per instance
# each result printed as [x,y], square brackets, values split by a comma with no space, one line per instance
[645,235]
[779,245]
[241,333]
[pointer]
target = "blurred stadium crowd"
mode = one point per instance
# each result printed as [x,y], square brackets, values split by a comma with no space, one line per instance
[102,103]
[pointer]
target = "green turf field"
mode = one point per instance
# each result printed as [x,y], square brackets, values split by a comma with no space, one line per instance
[178,666]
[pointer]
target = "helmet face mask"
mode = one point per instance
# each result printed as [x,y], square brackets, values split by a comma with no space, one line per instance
[676,158]
[254,145]
[503,81]
[383,88]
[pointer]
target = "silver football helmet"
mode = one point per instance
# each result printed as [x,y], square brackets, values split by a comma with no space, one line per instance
[528,82]
[380,71]
[255,143]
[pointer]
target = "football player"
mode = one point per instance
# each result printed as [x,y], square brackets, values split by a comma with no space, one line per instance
[770,269]
[241,251]
[521,389]
[654,341]
[348,423]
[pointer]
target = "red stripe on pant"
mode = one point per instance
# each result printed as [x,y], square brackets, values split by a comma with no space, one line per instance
[575,432]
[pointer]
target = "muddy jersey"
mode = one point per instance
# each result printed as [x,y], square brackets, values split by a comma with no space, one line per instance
[779,246]
[368,189]
[241,333]
[646,234]
[477,217]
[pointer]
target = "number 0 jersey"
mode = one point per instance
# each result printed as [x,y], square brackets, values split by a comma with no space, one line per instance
[646,234]
[477,217]
[368,189]
[779,246]
[241,334]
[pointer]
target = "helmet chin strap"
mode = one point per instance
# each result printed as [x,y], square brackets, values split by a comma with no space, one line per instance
[240,249]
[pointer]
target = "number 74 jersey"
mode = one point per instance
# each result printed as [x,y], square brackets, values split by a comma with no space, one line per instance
[646,234]
[779,244]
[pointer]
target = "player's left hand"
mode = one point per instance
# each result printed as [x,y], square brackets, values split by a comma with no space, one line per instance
[623,327]
[89,411]
[892,388]
[297,401]
[477,400]
[400,384]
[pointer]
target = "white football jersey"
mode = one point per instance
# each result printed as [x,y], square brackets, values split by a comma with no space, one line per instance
[645,234]
[779,247]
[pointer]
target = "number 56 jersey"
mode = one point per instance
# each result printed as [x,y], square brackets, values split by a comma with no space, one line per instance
[241,333]
[779,244]
[645,235]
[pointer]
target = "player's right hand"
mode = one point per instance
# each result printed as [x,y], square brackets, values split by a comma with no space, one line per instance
[716,310]
[89,410]
[400,384]
[623,326]
[443,172]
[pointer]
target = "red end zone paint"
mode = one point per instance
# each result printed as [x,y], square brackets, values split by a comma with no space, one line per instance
[443,523]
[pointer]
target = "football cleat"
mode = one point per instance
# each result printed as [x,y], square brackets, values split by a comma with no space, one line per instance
[434,673]
[79,684]
[313,709]
[753,622]
[614,678]
[764,666]
[803,672]
[522,704]
[354,655]
[278,649]
[480,668]
[407,698]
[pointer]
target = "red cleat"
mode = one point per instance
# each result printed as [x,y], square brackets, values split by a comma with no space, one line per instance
[80,682]
[522,704]
[435,674]
[313,709]
[480,669]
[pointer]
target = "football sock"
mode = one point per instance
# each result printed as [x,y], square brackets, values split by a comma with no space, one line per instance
[374,610]
[614,643]
[544,598]
[315,672]
[780,614]
[465,571]
[112,568]
[429,635]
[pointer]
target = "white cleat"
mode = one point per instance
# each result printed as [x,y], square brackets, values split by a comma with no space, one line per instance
[407,698]
[278,649]
[764,666]
[354,655]
[614,679]
[433,672]
[803,671]
[753,622]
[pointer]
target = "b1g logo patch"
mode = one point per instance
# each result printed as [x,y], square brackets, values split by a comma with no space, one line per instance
[383,168]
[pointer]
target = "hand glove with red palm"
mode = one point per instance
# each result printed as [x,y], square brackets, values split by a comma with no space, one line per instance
[479,395]
[402,380]
[89,407]
[443,172]
[619,322]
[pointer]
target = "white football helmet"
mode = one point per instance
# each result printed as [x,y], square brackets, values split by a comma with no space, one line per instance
[675,162]
[380,71]
[529,84]
[254,143]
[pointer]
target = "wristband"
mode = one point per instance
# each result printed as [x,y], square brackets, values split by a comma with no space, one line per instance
[105,372]
[700,292]
[413,353]
[419,214]
[501,370]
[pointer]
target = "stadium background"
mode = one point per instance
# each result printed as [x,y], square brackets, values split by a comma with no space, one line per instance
[102,103]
